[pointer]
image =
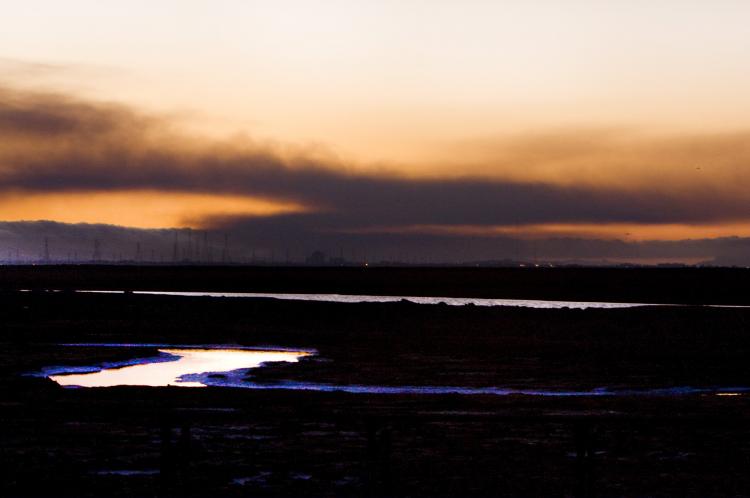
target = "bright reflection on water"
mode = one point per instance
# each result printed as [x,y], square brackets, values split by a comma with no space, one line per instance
[186,362]
[363,298]
[221,366]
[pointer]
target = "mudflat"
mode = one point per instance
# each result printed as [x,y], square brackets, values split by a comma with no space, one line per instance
[137,441]
[681,285]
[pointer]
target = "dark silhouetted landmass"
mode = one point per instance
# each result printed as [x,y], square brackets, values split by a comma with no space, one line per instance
[726,286]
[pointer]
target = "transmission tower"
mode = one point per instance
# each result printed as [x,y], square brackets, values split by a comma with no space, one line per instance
[97,256]
[225,251]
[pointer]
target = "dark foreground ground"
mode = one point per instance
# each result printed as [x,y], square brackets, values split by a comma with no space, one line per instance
[228,442]
[638,285]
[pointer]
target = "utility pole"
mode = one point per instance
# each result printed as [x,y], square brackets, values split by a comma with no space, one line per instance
[175,255]
[225,252]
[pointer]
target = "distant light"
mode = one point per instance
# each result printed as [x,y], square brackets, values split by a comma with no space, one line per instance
[728,394]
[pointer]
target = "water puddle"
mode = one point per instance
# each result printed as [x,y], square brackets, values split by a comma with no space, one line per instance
[362,298]
[450,301]
[228,366]
[237,380]
[128,473]
[173,367]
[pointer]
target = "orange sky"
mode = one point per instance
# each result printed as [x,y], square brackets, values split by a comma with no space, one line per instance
[633,96]
[141,209]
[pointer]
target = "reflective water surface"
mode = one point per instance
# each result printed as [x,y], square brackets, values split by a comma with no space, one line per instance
[363,298]
[227,366]
[174,367]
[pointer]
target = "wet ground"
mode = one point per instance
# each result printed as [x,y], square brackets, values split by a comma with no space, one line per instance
[212,442]
[134,441]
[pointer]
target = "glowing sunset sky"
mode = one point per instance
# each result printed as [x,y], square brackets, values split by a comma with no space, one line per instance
[581,118]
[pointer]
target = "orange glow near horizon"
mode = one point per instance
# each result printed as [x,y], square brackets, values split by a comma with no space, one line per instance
[137,209]
[155,209]
[611,231]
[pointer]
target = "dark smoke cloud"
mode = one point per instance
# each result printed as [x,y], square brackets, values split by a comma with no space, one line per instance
[56,143]
[53,116]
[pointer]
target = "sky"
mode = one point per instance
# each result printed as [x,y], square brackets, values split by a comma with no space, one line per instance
[409,127]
